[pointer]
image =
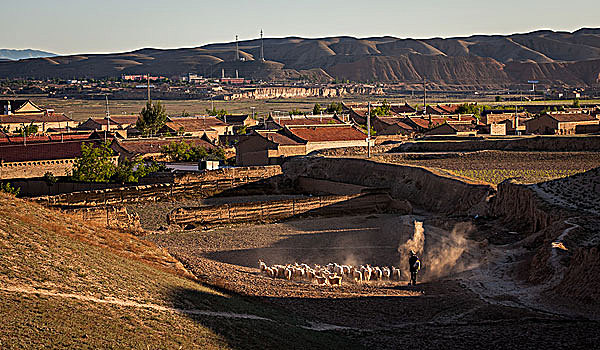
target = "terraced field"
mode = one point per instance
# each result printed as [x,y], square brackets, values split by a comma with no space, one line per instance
[496,166]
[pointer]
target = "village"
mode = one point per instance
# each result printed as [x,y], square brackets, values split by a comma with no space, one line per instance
[351,187]
[36,141]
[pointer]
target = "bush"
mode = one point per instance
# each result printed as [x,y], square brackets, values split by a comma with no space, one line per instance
[131,171]
[50,178]
[184,152]
[7,188]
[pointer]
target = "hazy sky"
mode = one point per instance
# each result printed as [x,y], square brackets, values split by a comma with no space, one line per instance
[85,26]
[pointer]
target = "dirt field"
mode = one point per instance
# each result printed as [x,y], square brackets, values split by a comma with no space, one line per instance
[81,110]
[449,309]
[496,166]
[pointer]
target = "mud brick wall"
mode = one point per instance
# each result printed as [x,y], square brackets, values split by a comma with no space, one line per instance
[277,210]
[114,217]
[187,185]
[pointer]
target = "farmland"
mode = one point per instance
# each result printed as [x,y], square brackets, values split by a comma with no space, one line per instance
[496,166]
[80,110]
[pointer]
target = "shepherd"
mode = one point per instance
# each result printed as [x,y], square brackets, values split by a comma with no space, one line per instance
[415,266]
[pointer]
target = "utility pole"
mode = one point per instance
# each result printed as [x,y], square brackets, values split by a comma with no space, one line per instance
[369,130]
[424,96]
[148,84]
[237,50]
[107,120]
[262,47]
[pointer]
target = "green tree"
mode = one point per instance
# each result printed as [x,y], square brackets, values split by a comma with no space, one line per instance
[152,117]
[95,163]
[27,130]
[334,108]
[498,99]
[383,110]
[296,111]
[216,112]
[317,109]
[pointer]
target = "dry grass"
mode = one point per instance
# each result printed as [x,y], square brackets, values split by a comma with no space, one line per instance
[54,270]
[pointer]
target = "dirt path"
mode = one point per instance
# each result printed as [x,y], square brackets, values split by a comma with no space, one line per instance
[495,282]
[127,303]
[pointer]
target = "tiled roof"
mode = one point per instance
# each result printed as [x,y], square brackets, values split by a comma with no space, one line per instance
[278,138]
[7,139]
[14,105]
[307,121]
[41,151]
[28,119]
[571,117]
[327,133]
[236,119]
[402,109]
[146,146]
[194,123]
[401,122]
[124,119]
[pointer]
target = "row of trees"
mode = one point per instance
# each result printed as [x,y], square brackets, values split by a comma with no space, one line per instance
[332,108]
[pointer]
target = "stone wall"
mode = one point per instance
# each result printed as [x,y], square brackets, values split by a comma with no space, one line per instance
[283,209]
[25,170]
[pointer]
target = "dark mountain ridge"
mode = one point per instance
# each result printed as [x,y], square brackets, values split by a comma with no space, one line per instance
[553,58]
[13,55]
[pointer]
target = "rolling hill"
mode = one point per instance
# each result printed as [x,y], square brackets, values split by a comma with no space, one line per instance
[554,58]
[69,284]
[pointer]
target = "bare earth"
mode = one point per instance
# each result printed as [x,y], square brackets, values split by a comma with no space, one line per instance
[447,310]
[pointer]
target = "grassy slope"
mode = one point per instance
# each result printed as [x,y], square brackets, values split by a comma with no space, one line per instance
[48,252]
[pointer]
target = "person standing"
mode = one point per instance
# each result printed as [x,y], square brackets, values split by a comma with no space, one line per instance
[414,265]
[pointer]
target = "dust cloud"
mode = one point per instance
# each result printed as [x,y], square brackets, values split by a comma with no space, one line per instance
[440,251]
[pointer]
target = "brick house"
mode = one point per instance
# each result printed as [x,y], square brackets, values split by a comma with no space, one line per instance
[562,124]
[327,136]
[267,147]
[453,129]
[210,126]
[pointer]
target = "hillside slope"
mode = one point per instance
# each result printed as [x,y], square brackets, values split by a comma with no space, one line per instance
[479,60]
[64,284]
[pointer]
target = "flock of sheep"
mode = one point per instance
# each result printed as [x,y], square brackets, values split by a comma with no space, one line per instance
[331,274]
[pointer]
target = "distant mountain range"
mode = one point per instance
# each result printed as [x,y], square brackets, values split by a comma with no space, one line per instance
[486,61]
[14,55]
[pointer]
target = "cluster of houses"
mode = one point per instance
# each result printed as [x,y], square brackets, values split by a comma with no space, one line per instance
[444,120]
[35,141]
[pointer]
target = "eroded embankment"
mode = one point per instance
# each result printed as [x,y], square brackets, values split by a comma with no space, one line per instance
[556,248]
[566,261]
[421,187]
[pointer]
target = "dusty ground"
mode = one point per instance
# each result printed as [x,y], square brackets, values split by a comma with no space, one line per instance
[446,310]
